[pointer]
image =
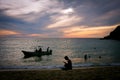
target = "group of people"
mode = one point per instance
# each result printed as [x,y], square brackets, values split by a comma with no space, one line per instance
[88,56]
[40,49]
[68,63]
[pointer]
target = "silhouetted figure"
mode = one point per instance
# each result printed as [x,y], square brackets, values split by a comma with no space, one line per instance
[51,51]
[85,57]
[48,49]
[40,50]
[95,48]
[36,50]
[68,64]
[89,57]
[100,57]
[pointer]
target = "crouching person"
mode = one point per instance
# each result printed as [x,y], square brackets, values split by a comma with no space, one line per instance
[67,64]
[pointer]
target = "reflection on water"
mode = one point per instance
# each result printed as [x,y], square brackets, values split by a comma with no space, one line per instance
[33,59]
[11,55]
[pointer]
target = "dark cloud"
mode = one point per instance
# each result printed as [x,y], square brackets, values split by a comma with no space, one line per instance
[94,9]
[12,23]
[9,23]
[9,19]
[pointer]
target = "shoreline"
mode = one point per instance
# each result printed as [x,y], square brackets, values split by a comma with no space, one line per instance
[42,69]
[89,73]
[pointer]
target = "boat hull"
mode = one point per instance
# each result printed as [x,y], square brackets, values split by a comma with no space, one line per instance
[39,54]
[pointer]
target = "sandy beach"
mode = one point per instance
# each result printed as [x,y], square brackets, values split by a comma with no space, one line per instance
[88,73]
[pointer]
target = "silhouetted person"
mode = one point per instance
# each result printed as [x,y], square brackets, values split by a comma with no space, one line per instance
[85,57]
[89,57]
[40,50]
[68,64]
[100,57]
[36,50]
[48,49]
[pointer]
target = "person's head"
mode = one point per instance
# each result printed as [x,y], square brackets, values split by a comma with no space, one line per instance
[66,58]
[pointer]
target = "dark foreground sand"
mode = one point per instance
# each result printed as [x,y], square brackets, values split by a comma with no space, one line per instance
[95,73]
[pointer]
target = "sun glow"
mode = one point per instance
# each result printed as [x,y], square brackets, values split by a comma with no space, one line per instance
[37,35]
[67,11]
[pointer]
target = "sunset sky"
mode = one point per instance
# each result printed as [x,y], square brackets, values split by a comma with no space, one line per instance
[58,18]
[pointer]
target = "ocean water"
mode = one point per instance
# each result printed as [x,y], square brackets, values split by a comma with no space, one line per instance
[11,56]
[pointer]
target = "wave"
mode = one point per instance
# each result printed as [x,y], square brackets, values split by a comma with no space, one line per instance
[60,66]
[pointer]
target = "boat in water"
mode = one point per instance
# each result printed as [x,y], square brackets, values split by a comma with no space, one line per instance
[36,53]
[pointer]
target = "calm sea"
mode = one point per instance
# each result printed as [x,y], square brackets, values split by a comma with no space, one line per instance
[11,56]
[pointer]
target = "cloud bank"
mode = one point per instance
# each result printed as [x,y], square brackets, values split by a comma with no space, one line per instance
[58,18]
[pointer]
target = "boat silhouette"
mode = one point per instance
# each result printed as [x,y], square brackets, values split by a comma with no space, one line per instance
[36,53]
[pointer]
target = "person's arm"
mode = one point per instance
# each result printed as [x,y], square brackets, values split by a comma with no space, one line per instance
[65,62]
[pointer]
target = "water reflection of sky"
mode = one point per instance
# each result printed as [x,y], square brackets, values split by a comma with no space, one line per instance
[10,51]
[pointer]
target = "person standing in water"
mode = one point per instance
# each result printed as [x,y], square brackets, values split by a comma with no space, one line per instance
[85,57]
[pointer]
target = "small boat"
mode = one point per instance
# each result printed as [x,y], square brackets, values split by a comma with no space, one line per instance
[36,53]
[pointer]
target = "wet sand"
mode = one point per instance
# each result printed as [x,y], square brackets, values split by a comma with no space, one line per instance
[87,73]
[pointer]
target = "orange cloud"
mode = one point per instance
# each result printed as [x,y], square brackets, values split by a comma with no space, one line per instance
[93,32]
[8,32]
[37,35]
[14,33]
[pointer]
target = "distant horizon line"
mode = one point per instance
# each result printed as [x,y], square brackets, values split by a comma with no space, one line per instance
[58,37]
